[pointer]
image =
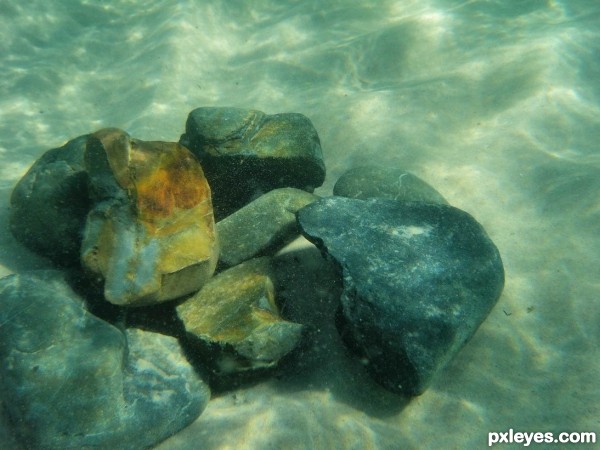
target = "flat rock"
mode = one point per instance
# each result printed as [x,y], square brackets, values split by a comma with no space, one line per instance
[262,226]
[365,182]
[150,235]
[71,380]
[50,203]
[234,317]
[418,281]
[246,153]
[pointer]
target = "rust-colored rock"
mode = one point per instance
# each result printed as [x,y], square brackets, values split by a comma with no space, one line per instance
[151,234]
[236,317]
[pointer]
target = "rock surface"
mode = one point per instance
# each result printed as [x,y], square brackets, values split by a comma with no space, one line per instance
[383,182]
[246,153]
[418,281]
[262,226]
[235,317]
[50,203]
[71,380]
[151,234]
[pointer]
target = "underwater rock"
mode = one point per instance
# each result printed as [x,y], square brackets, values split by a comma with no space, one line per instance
[150,235]
[382,182]
[70,380]
[235,320]
[419,279]
[50,203]
[263,225]
[246,153]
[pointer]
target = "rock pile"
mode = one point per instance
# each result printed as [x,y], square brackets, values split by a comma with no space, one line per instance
[148,223]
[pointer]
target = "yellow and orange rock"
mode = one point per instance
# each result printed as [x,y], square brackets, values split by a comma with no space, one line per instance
[151,234]
[235,316]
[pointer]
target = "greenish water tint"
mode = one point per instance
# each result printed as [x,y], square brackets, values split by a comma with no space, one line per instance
[494,103]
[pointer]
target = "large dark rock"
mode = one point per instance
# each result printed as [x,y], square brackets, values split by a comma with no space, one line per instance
[246,153]
[418,281]
[50,203]
[71,380]
[262,226]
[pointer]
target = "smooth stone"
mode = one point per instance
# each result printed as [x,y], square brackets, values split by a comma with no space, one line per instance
[246,153]
[419,279]
[71,380]
[50,203]
[365,182]
[262,226]
[151,234]
[235,319]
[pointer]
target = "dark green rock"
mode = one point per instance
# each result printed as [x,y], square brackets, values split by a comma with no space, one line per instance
[418,281]
[245,153]
[71,380]
[262,226]
[50,203]
[381,182]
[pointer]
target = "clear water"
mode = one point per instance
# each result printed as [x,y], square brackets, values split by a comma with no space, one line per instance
[495,103]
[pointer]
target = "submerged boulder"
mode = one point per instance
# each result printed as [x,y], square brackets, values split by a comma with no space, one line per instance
[235,320]
[150,235]
[49,204]
[365,182]
[262,226]
[246,153]
[418,281]
[70,380]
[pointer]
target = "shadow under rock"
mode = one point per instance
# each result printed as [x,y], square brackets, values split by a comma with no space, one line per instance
[160,318]
[308,289]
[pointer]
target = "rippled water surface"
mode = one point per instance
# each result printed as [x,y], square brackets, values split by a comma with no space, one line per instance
[494,103]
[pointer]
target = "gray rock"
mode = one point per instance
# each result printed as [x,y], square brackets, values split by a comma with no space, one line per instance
[262,226]
[245,153]
[162,387]
[71,380]
[382,182]
[49,204]
[418,281]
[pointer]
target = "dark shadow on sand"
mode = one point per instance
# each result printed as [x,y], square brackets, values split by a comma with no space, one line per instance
[309,289]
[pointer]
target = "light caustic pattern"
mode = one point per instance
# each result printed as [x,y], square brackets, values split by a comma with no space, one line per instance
[493,103]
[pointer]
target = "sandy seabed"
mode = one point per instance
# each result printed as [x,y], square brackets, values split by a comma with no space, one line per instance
[494,103]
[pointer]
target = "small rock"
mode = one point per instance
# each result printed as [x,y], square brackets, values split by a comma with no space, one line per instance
[262,226]
[380,182]
[246,153]
[50,203]
[419,279]
[235,316]
[71,380]
[151,234]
